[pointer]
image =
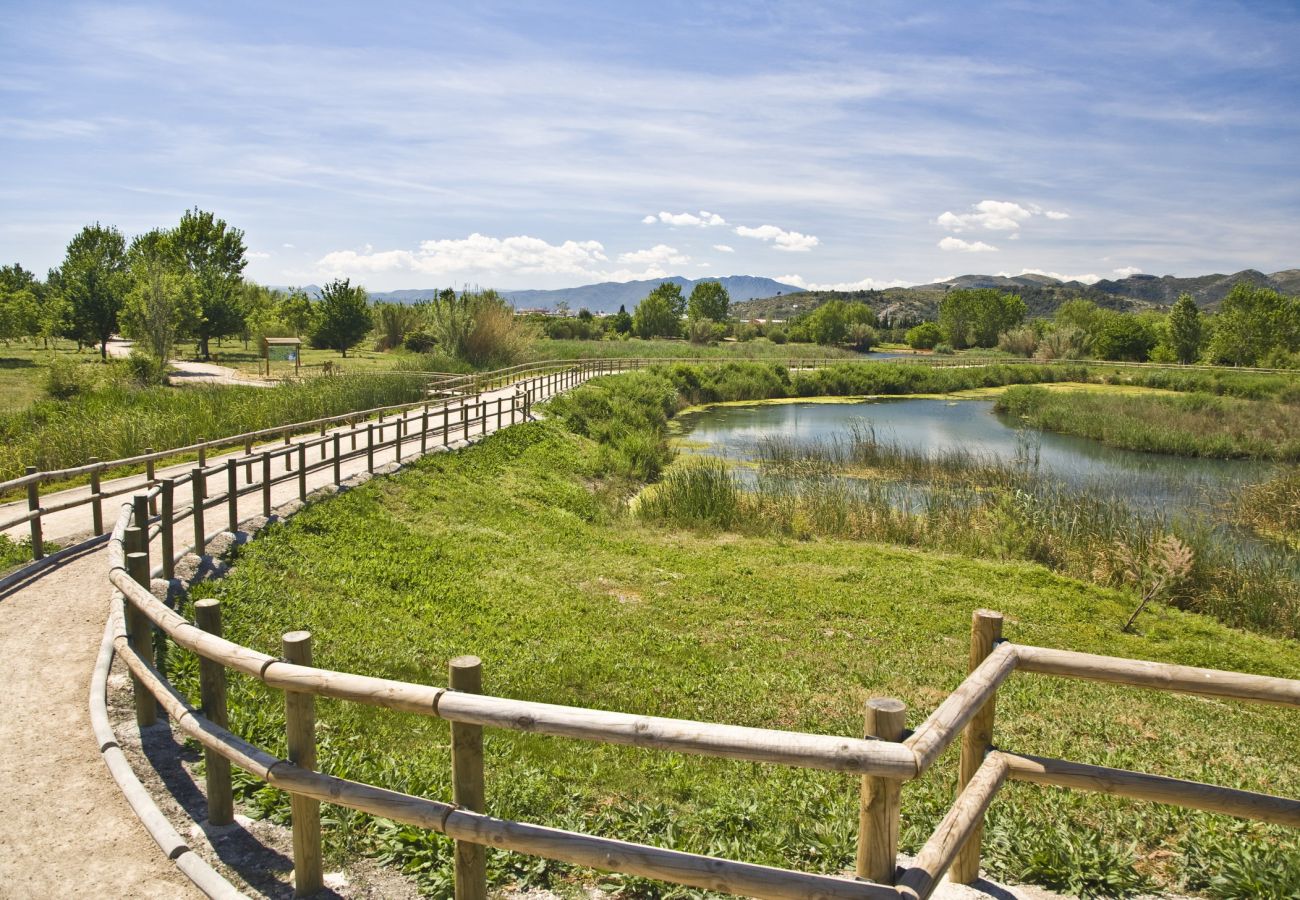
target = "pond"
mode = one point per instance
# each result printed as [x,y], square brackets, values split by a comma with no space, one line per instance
[1156,482]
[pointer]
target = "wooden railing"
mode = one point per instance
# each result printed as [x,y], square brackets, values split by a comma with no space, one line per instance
[885,758]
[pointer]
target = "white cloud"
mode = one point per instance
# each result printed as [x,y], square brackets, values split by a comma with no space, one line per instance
[952,243]
[258,254]
[995,215]
[705,219]
[658,255]
[287,246]
[477,254]
[1126,271]
[781,239]
[1083,279]
[866,284]
[723,248]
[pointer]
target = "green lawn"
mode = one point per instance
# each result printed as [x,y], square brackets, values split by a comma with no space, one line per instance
[22,371]
[516,551]
[248,360]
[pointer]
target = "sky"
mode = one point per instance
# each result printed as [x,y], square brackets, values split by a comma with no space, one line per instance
[540,145]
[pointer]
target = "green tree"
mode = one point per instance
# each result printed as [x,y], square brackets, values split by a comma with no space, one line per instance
[93,279]
[622,320]
[1123,337]
[297,311]
[158,308]
[343,316]
[213,254]
[1186,331]
[657,315]
[1253,322]
[975,318]
[924,336]
[20,313]
[709,300]
[828,323]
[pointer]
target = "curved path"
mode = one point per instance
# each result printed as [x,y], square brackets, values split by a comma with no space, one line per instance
[65,829]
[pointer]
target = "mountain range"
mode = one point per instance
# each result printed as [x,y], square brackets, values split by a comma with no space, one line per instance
[755,297]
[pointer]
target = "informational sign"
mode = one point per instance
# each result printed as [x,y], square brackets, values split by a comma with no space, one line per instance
[282,353]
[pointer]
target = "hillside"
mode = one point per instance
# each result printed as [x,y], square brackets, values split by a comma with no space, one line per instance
[1041,293]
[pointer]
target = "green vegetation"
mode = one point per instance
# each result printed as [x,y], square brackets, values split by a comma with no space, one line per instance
[342,317]
[975,318]
[111,418]
[669,349]
[1197,424]
[660,313]
[516,550]
[1274,507]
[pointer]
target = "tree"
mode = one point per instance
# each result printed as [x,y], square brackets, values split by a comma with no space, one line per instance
[1252,323]
[213,253]
[709,300]
[157,308]
[828,323]
[93,278]
[976,317]
[343,316]
[297,311]
[1123,337]
[20,313]
[622,320]
[656,315]
[1186,330]
[924,336]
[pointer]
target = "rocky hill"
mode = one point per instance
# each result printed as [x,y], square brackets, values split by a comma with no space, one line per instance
[1041,293]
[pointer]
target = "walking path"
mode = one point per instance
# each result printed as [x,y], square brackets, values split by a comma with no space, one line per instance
[65,829]
[184,371]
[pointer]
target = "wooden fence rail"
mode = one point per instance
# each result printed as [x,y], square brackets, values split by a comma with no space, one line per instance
[883,758]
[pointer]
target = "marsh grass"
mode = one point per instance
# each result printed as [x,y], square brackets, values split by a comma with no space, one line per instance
[1194,424]
[858,487]
[117,420]
[1273,507]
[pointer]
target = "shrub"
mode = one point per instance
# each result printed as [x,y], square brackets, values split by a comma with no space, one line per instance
[944,349]
[1019,341]
[777,335]
[420,341]
[145,369]
[924,336]
[66,379]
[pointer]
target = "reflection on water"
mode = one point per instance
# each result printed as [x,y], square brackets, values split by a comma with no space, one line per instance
[1169,485]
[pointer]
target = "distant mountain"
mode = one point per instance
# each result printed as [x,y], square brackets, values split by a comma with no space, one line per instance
[1042,293]
[607,296]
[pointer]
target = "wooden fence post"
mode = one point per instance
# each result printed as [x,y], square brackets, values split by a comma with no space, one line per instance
[465,673]
[446,422]
[139,630]
[300,728]
[424,431]
[338,460]
[232,494]
[370,446]
[248,462]
[266,483]
[199,490]
[96,505]
[976,740]
[500,400]
[167,528]
[151,474]
[34,508]
[397,440]
[302,471]
[212,694]
[288,455]
[322,440]
[886,719]
[203,455]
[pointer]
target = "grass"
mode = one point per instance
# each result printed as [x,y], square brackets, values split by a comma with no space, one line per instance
[22,371]
[1195,424]
[1273,508]
[516,550]
[116,420]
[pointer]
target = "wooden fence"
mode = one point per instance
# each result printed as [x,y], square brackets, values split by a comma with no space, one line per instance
[884,759]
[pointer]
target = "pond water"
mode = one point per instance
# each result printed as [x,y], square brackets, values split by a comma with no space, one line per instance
[1157,482]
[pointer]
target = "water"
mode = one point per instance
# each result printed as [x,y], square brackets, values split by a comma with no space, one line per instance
[1171,485]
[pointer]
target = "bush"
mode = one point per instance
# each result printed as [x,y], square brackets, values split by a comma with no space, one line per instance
[66,379]
[1019,341]
[777,335]
[924,336]
[420,341]
[944,349]
[145,369]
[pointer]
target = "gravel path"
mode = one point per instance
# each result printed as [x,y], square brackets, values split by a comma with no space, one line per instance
[184,371]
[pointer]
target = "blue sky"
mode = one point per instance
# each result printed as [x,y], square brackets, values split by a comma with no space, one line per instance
[547,145]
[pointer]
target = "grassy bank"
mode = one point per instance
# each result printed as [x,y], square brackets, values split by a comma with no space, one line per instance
[119,420]
[1195,424]
[516,551]
[1274,507]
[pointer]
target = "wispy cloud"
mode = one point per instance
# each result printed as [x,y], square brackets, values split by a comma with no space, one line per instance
[781,239]
[957,244]
[703,220]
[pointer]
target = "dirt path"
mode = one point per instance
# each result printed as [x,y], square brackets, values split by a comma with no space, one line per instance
[184,371]
[65,829]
